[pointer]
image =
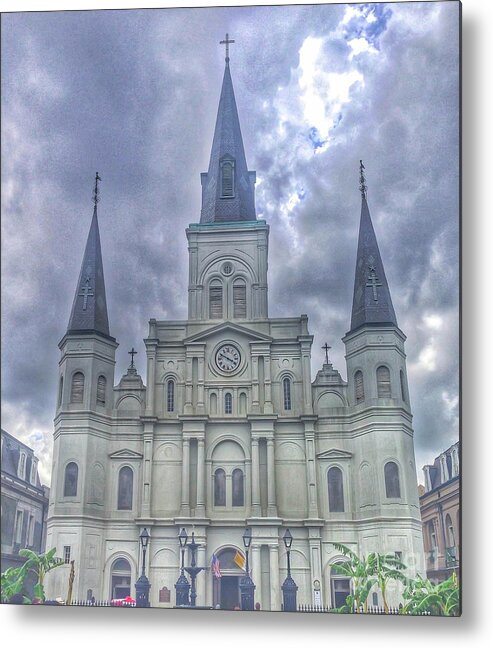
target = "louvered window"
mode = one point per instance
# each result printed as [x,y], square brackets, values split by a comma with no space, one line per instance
[239,299]
[60,392]
[216,301]
[77,392]
[170,404]
[286,388]
[383,382]
[359,387]
[403,387]
[227,180]
[101,391]
[392,485]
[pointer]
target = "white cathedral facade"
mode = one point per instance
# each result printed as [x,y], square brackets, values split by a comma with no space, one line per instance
[229,431]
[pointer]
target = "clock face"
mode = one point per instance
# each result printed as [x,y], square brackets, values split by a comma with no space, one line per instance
[228,358]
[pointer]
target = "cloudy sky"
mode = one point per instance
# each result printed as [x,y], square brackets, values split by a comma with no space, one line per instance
[133,94]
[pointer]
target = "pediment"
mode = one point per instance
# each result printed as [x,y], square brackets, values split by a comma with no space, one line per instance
[125,453]
[226,328]
[334,453]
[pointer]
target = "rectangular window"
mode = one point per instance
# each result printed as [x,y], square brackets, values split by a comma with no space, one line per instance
[19,519]
[22,465]
[227,184]
[66,554]
[30,532]
[216,302]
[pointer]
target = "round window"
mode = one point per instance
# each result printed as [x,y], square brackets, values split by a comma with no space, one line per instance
[227,268]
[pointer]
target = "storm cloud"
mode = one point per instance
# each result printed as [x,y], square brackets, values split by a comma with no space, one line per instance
[133,94]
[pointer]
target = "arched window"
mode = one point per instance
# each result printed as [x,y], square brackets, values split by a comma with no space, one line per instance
[77,391]
[227,179]
[120,579]
[238,496]
[70,482]
[359,387]
[216,300]
[125,488]
[60,392]
[219,487]
[239,298]
[336,490]
[286,390]
[101,391]
[392,485]
[383,382]
[213,404]
[340,587]
[403,387]
[243,403]
[228,403]
[170,396]
[22,465]
[450,531]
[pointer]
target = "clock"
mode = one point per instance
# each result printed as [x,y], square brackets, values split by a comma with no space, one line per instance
[228,358]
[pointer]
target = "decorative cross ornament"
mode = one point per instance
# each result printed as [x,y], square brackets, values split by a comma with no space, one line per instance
[362,180]
[132,353]
[226,42]
[95,197]
[326,348]
[373,282]
[86,291]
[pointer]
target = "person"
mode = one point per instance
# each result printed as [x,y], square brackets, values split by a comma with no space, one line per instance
[257,606]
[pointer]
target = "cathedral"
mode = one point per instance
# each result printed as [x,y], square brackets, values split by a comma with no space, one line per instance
[229,432]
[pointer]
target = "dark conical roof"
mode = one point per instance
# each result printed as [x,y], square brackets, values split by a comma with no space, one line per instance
[89,311]
[372,303]
[228,145]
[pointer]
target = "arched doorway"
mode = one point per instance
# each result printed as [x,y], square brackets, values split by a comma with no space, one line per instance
[120,579]
[226,590]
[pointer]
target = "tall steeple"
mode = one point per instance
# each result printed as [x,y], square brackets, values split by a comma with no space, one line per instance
[228,187]
[372,304]
[89,311]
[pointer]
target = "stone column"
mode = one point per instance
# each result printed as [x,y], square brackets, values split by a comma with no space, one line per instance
[202,575]
[255,390]
[256,573]
[147,469]
[188,409]
[185,478]
[268,409]
[271,480]
[151,381]
[275,588]
[307,382]
[200,510]
[311,470]
[200,386]
[255,478]
[316,569]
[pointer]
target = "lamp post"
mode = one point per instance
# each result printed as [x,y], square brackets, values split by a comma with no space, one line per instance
[182,585]
[289,587]
[142,586]
[247,586]
[193,570]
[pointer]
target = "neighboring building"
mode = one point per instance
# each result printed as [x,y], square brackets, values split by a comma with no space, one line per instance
[230,431]
[24,502]
[440,513]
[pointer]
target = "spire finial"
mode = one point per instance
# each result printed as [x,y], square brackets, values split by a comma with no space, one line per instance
[326,348]
[132,353]
[95,194]
[362,180]
[226,42]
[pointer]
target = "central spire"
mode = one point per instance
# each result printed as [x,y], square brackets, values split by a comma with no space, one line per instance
[228,187]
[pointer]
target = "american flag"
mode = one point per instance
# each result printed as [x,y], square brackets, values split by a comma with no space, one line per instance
[216,570]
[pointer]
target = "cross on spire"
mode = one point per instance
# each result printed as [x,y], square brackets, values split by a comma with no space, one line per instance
[226,42]
[362,180]
[326,348]
[95,195]
[373,282]
[86,291]
[132,353]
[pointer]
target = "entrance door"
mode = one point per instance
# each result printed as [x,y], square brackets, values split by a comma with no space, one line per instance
[230,592]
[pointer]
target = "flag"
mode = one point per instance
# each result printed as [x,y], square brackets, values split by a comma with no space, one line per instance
[215,566]
[239,559]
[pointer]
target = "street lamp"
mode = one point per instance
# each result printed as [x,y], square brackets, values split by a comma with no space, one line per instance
[182,585]
[247,586]
[193,570]
[142,586]
[289,587]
